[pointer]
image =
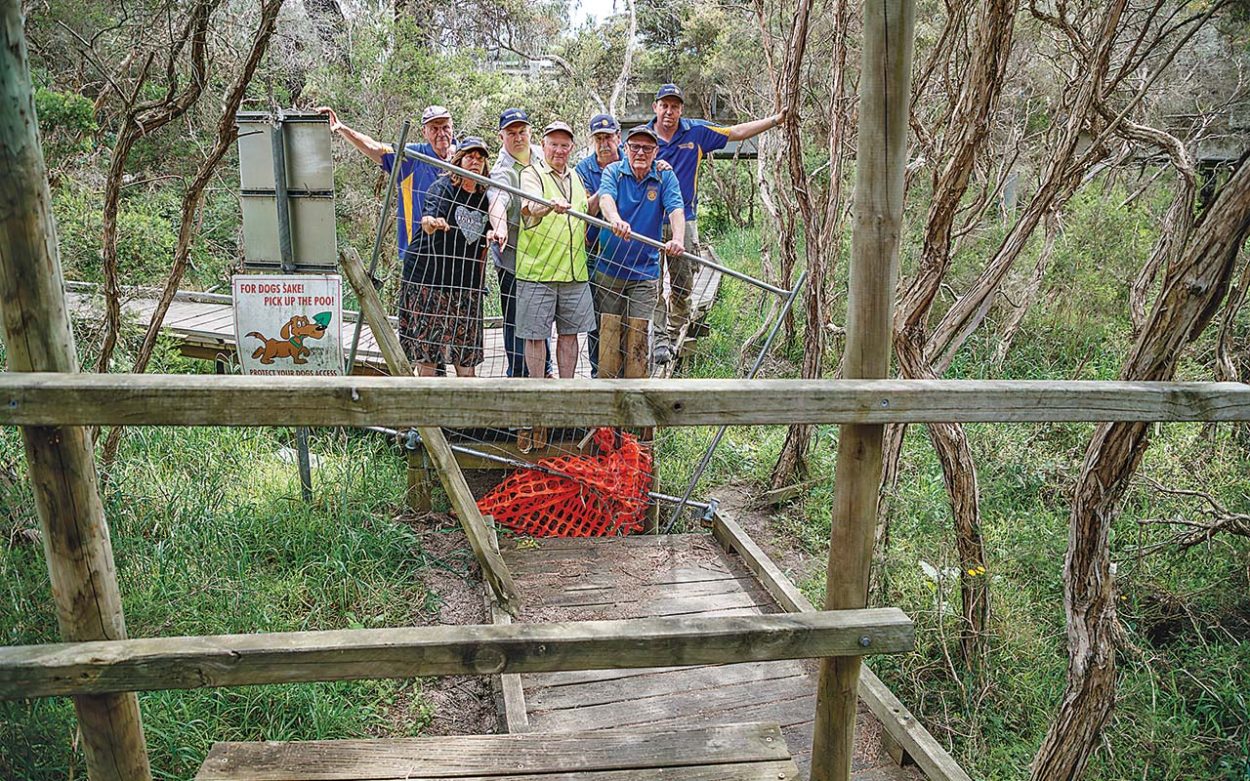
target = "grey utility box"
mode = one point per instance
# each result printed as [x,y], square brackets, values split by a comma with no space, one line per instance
[310,191]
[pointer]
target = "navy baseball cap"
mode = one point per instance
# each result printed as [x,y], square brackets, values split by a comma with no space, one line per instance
[511,116]
[604,123]
[670,91]
[472,142]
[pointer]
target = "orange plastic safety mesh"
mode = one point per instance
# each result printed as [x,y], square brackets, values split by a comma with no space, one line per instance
[591,496]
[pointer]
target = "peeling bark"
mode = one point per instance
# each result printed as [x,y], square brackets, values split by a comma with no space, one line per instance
[1192,290]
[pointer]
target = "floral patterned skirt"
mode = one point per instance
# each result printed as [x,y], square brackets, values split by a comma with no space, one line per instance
[441,325]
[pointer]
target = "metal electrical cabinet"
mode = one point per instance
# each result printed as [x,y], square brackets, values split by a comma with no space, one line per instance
[309,191]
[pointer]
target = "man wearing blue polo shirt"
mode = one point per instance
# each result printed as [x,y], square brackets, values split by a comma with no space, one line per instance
[415,177]
[636,198]
[683,143]
[605,136]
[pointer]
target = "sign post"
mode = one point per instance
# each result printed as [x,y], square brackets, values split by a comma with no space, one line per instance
[290,198]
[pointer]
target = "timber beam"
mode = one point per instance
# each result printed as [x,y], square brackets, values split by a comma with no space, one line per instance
[46,399]
[352,654]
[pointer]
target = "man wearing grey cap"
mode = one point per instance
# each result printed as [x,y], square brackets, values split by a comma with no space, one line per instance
[415,177]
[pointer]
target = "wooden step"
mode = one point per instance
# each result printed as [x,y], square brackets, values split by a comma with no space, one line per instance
[731,752]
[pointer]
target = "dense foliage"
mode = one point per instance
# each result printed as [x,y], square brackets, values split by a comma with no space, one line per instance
[210,537]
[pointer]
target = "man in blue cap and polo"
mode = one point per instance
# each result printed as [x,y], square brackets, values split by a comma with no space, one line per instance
[637,199]
[605,139]
[683,143]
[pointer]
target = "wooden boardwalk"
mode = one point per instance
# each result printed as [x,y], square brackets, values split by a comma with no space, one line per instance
[652,576]
[203,324]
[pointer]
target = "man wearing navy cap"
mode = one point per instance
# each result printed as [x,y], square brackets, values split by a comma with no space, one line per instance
[415,177]
[605,136]
[516,153]
[683,143]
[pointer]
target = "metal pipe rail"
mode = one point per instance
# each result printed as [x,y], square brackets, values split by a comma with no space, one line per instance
[516,191]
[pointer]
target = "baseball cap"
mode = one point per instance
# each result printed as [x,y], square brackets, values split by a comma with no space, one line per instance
[604,123]
[472,142]
[511,116]
[432,113]
[642,130]
[557,126]
[670,91]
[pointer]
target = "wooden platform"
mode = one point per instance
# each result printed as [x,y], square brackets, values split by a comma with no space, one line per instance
[203,324]
[667,575]
[740,752]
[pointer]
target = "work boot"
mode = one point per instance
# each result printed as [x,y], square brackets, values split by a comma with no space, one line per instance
[662,354]
[524,440]
[539,438]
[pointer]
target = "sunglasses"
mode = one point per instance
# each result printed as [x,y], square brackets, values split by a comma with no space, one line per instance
[641,149]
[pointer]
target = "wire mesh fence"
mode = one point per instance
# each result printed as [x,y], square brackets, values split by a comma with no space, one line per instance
[520,276]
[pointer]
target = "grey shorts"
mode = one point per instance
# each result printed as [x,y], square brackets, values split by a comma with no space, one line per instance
[625,297]
[539,304]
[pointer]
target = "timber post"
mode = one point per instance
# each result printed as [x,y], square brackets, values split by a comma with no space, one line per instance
[479,534]
[885,94]
[60,459]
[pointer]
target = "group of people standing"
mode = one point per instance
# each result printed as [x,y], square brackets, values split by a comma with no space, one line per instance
[553,268]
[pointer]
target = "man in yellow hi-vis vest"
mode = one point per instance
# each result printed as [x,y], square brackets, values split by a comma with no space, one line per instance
[552,283]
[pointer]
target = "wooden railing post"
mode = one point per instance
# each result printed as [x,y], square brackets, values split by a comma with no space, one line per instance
[60,459]
[885,92]
[494,571]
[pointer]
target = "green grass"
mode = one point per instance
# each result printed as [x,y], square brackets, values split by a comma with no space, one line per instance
[210,536]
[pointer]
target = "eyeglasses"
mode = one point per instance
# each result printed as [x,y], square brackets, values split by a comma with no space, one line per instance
[641,149]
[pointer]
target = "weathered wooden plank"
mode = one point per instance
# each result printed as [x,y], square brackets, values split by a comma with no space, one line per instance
[515,711]
[897,720]
[637,348]
[785,770]
[231,660]
[515,714]
[494,756]
[228,400]
[618,599]
[610,346]
[549,698]
[697,705]
[734,537]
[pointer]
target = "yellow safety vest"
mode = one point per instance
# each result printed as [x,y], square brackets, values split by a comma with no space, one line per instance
[554,250]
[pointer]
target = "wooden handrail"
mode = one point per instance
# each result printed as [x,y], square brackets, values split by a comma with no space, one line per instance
[350,654]
[44,399]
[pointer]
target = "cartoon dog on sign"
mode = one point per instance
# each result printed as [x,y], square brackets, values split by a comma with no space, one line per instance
[291,345]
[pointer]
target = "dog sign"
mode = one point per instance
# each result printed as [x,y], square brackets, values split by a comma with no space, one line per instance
[289,324]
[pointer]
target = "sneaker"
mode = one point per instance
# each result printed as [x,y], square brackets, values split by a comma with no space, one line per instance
[662,354]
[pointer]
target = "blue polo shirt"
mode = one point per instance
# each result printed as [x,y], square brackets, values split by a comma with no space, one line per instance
[591,174]
[415,179]
[645,206]
[694,138]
